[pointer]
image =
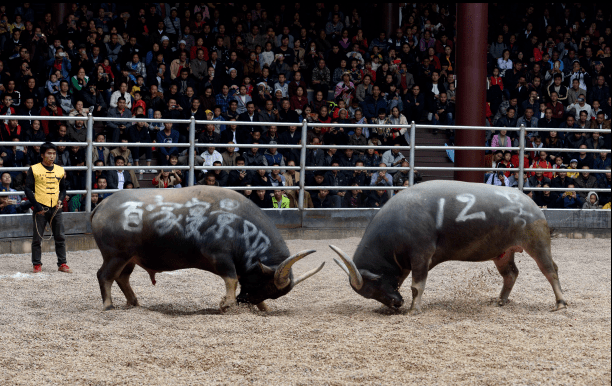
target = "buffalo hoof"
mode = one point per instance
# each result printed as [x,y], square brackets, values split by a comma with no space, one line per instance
[561,305]
[108,308]
[134,304]
[415,312]
[501,302]
[263,307]
[226,305]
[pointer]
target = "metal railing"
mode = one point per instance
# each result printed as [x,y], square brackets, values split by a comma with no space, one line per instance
[191,145]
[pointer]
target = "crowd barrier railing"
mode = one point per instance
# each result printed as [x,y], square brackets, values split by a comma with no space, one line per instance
[191,146]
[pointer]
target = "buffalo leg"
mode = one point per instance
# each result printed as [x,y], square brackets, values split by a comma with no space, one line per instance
[107,274]
[419,278]
[262,306]
[405,274]
[229,300]
[538,247]
[124,283]
[508,270]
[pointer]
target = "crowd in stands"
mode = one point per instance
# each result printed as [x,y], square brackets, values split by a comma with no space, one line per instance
[548,67]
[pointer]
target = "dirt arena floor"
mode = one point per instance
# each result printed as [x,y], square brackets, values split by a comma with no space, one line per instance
[52,329]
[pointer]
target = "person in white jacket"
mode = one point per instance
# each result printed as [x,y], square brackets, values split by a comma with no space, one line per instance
[579,106]
[122,92]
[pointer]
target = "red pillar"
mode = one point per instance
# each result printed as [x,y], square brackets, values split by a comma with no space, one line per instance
[59,11]
[471,56]
[390,18]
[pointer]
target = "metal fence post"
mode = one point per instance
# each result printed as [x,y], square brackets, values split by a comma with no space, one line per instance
[412,150]
[89,162]
[191,177]
[303,165]
[521,182]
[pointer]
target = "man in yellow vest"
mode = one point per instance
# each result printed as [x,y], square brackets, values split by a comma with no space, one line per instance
[46,189]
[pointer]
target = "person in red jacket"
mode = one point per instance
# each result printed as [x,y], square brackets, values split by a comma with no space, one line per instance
[542,163]
[51,109]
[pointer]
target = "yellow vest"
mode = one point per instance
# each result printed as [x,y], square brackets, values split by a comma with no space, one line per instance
[47,184]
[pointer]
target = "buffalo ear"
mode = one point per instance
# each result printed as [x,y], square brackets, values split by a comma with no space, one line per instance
[369,275]
[265,269]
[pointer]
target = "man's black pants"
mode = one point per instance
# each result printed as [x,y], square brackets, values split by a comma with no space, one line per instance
[57,227]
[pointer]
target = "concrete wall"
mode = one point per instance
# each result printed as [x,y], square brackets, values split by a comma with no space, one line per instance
[16,231]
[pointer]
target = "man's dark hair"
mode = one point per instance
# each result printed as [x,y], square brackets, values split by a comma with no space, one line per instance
[240,158]
[120,99]
[119,158]
[46,146]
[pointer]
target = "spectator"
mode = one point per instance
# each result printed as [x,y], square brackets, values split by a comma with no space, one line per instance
[570,200]
[120,111]
[116,179]
[262,199]
[545,199]
[393,158]
[404,175]
[377,198]
[498,178]
[321,79]
[279,200]
[592,201]
[166,179]
[372,104]
[586,181]
[322,200]
[601,163]
[168,135]
[584,158]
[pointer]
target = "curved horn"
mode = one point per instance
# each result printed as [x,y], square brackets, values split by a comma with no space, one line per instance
[341,265]
[281,277]
[308,274]
[350,268]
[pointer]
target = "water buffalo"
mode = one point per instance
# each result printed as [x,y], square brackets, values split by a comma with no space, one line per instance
[203,227]
[439,221]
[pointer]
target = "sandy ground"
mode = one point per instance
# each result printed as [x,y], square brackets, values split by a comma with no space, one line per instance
[52,329]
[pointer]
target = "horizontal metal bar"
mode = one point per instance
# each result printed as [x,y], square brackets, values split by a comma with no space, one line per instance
[170,167]
[565,150]
[566,130]
[262,187]
[22,193]
[246,167]
[357,147]
[464,148]
[140,144]
[509,169]
[567,189]
[368,187]
[25,169]
[20,143]
[364,168]
[46,117]
[227,187]
[283,209]
[249,145]
[249,123]
[338,209]
[116,119]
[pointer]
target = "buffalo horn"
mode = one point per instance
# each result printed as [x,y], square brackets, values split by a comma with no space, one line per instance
[308,274]
[349,268]
[283,272]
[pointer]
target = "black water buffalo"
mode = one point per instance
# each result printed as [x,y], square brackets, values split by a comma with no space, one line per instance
[439,221]
[203,227]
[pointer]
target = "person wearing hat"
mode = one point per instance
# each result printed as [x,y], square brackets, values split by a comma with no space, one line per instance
[45,188]
[173,25]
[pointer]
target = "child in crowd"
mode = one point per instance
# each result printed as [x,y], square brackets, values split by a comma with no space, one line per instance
[573,166]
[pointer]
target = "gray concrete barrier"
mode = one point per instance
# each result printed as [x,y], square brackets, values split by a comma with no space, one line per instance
[16,230]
